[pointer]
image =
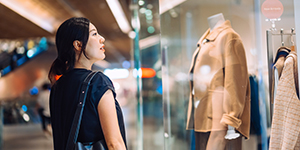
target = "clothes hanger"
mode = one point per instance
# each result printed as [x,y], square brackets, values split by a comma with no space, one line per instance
[281,34]
[283,50]
[292,40]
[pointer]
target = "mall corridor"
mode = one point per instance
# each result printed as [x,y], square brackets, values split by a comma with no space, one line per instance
[25,137]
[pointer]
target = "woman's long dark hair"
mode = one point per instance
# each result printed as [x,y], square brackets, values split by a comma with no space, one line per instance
[69,31]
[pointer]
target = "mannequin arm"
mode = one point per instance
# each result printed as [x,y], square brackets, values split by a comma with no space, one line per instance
[235,83]
[216,140]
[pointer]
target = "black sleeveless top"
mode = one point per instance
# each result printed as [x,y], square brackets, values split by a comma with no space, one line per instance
[64,98]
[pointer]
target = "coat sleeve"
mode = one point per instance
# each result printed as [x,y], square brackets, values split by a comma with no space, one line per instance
[235,82]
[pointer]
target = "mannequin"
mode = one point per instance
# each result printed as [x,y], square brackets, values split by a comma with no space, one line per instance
[216,136]
[210,111]
[215,21]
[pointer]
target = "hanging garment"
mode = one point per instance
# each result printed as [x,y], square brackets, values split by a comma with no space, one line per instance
[281,54]
[220,88]
[285,128]
[255,127]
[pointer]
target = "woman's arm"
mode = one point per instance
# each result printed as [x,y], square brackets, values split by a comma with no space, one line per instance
[109,122]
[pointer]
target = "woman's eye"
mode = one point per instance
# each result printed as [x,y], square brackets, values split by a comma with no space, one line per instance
[95,33]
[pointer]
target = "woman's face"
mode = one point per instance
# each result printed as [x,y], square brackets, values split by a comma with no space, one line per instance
[95,47]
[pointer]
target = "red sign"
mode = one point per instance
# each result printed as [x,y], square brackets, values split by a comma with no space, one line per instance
[148,73]
[272,9]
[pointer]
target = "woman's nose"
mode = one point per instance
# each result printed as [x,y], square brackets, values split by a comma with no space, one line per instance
[102,39]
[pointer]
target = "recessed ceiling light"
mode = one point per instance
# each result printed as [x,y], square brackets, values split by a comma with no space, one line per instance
[119,15]
[141,2]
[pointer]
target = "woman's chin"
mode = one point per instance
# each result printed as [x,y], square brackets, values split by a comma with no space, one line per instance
[102,57]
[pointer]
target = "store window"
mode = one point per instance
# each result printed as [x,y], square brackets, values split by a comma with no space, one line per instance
[209,68]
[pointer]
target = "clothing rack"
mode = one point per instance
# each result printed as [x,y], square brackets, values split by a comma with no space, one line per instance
[270,53]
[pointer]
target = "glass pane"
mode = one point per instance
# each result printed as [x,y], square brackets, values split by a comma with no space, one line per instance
[150,64]
[183,23]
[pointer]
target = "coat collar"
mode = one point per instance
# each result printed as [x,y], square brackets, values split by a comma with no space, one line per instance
[211,36]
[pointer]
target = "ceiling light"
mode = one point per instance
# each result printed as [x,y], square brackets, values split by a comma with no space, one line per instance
[142,10]
[148,12]
[141,2]
[119,14]
[16,7]
[151,29]
[132,34]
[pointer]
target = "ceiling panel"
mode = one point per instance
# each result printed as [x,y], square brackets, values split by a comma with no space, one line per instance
[14,26]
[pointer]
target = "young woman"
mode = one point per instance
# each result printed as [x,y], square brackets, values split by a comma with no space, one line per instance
[79,45]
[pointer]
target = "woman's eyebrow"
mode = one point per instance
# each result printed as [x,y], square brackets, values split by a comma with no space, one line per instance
[92,30]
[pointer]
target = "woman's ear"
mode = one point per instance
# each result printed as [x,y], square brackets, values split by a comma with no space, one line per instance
[77,45]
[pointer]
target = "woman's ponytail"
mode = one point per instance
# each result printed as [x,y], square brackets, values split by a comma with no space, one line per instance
[58,67]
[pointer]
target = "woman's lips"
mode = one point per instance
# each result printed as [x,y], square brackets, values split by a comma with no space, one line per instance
[102,48]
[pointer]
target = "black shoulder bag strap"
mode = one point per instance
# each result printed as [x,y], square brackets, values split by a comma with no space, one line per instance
[78,114]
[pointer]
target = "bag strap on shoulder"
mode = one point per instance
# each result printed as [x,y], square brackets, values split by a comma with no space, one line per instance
[79,110]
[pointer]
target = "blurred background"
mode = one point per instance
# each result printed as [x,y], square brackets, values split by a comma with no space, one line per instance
[149,46]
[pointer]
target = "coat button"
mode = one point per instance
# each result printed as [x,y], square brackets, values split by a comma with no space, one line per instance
[198,45]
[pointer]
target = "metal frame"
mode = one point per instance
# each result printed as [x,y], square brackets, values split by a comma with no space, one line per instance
[270,50]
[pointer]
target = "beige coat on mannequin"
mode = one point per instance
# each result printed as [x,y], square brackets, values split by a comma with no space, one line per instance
[220,88]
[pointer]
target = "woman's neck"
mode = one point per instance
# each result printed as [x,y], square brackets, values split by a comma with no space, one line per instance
[83,63]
